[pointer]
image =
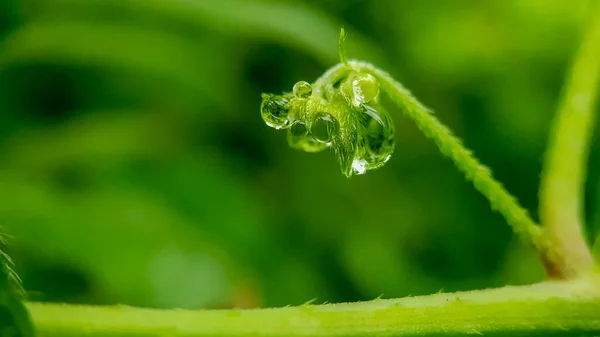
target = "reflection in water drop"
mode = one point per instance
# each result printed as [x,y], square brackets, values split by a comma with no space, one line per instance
[378,131]
[359,89]
[302,89]
[298,129]
[299,138]
[374,142]
[365,89]
[324,128]
[274,110]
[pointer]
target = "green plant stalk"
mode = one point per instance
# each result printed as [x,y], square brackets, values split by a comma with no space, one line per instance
[563,176]
[452,147]
[548,309]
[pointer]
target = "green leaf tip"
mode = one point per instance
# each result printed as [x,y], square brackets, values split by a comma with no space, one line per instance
[14,318]
[342,48]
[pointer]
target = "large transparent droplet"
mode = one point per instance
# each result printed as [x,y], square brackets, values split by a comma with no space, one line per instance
[355,162]
[378,133]
[298,129]
[324,128]
[299,138]
[359,89]
[274,110]
[302,89]
[346,144]
[365,89]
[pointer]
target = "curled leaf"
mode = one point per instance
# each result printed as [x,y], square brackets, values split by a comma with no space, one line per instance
[343,114]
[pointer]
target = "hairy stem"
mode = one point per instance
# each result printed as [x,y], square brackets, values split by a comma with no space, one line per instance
[14,318]
[563,176]
[554,308]
[452,147]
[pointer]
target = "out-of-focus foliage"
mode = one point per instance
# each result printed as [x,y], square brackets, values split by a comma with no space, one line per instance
[137,169]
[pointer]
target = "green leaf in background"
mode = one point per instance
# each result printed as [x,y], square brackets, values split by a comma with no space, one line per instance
[295,24]
[594,233]
[124,236]
[123,48]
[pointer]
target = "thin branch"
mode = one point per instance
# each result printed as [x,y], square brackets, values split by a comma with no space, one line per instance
[452,147]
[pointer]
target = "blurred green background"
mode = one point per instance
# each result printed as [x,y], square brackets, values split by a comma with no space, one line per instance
[136,168]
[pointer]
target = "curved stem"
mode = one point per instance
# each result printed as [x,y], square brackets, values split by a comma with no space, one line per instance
[557,309]
[452,147]
[563,177]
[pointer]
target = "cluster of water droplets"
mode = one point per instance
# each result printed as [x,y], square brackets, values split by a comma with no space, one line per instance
[308,131]
[345,115]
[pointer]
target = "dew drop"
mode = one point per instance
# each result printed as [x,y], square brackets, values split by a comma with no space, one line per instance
[298,129]
[324,128]
[365,89]
[274,110]
[299,138]
[378,134]
[302,89]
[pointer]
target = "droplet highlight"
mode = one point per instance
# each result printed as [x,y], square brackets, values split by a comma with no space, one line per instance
[359,166]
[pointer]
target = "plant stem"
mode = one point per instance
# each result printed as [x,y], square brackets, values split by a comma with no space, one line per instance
[553,308]
[14,318]
[452,147]
[563,176]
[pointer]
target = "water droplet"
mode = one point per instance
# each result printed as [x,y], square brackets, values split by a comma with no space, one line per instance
[298,129]
[372,143]
[274,110]
[305,143]
[378,132]
[324,128]
[345,152]
[365,89]
[302,89]
[299,138]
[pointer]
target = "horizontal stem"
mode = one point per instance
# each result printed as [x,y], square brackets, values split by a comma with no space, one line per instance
[550,308]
